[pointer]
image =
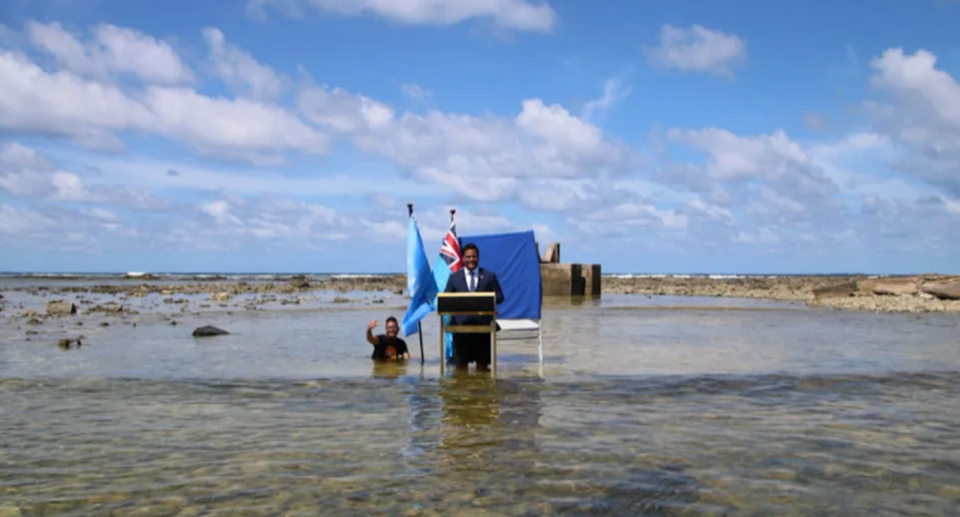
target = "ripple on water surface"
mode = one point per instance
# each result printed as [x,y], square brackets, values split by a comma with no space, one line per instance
[637,412]
[787,445]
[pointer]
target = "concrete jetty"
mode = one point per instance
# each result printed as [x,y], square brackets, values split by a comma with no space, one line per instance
[560,279]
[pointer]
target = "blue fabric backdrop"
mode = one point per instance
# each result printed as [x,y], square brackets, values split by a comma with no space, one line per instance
[513,257]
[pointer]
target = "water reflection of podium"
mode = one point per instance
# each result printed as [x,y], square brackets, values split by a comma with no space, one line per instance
[482,304]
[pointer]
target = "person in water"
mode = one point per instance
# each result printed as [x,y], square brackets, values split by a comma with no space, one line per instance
[387,347]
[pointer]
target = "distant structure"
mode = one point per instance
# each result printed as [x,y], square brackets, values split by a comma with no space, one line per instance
[560,279]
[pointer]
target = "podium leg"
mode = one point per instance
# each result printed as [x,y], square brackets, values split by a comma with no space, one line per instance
[493,347]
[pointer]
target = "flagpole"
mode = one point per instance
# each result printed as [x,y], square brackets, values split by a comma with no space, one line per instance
[419,326]
[444,358]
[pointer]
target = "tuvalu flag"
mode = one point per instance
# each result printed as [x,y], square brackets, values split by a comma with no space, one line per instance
[449,262]
[420,281]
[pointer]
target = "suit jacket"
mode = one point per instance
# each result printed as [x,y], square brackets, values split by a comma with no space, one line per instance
[486,282]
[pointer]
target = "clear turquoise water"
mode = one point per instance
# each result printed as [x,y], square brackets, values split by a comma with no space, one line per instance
[633,412]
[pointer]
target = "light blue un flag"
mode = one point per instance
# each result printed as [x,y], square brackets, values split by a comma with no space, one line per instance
[420,281]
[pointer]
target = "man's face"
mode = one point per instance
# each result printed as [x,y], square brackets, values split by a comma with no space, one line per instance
[392,329]
[470,259]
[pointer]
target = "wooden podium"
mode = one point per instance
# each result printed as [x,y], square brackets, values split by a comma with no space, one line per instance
[468,304]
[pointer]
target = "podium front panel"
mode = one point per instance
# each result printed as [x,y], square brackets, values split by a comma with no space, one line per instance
[467,303]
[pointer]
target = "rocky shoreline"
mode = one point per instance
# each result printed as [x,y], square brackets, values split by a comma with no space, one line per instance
[294,285]
[921,293]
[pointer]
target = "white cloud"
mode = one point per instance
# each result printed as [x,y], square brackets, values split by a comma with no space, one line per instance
[435,223]
[557,126]
[24,173]
[613,92]
[237,127]
[924,117]
[698,49]
[765,236]
[509,14]
[100,213]
[388,220]
[629,218]
[66,103]
[18,171]
[924,87]
[854,162]
[61,103]
[156,174]
[449,150]
[764,190]
[58,229]
[415,91]
[754,188]
[345,112]
[734,157]
[952,206]
[558,195]
[926,225]
[239,70]
[235,222]
[112,50]
[816,122]
[542,141]
[544,235]
[19,221]
[712,212]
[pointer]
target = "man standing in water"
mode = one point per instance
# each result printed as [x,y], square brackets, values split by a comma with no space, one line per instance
[468,348]
[387,347]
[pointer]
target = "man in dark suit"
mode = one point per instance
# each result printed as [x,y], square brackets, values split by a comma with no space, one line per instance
[468,348]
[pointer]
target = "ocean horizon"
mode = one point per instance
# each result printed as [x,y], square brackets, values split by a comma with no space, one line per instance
[266,275]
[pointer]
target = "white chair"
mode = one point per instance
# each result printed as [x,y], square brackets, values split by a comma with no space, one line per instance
[522,327]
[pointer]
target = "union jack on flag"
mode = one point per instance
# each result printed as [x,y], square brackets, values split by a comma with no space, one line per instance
[450,249]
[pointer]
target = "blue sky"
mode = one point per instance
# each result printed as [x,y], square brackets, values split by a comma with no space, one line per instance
[288,135]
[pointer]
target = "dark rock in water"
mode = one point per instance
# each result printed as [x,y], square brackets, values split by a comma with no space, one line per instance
[300,282]
[208,330]
[108,307]
[67,344]
[946,291]
[60,308]
[841,290]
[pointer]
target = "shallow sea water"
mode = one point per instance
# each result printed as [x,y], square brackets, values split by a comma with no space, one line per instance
[765,409]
